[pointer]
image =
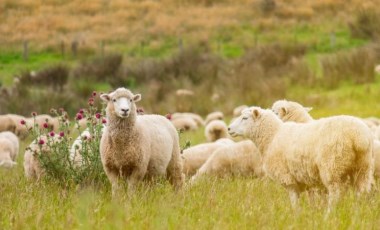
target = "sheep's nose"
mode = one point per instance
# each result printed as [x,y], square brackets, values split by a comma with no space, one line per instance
[125,110]
[229,128]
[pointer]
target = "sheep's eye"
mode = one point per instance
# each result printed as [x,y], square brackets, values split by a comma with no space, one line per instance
[130,100]
[245,118]
[114,100]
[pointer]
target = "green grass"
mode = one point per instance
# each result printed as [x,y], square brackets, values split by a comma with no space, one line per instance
[234,203]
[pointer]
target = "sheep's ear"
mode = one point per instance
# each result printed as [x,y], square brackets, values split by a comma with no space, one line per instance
[137,97]
[255,113]
[105,97]
[308,109]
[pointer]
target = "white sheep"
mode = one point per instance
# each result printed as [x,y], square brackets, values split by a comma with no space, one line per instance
[326,152]
[32,165]
[195,156]
[197,118]
[214,116]
[239,159]
[237,111]
[77,146]
[184,124]
[15,143]
[215,130]
[136,147]
[20,130]
[7,124]
[7,153]
[303,116]
[291,111]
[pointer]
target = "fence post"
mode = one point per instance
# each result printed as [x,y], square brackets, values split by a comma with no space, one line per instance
[25,53]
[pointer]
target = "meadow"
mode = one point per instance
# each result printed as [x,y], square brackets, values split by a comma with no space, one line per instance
[319,53]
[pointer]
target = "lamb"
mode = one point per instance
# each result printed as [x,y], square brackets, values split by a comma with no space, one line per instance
[194,157]
[291,111]
[326,152]
[32,167]
[237,111]
[7,124]
[184,124]
[240,159]
[215,130]
[214,116]
[138,147]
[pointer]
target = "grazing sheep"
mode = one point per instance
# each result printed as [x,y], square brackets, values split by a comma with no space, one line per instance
[215,130]
[327,152]
[185,124]
[291,111]
[7,153]
[197,118]
[214,116]
[32,166]
[195,156]
[237,111]
[20,130]
[136,147]
[240,159]
[7,124]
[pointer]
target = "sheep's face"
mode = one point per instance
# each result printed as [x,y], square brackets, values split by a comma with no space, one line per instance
[121,103]
[280,108]
[240,126]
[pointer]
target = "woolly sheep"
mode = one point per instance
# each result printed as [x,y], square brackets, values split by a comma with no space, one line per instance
[20,130]
[291,111]
[197,118]
[32,166]
[7,124]
[240,159]
[76,147]
[195,156]
[7,154]
[184,124]
[136,147]
[304,116]
[215,130]
[214,116]
[299,156]
[237,111]
[15,143]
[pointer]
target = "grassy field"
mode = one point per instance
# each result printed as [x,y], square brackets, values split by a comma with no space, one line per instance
[234,203]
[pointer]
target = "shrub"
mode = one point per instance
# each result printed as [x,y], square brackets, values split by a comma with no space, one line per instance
[58,165]
[366,24]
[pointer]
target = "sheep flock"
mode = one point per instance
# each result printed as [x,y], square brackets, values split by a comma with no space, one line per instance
[283,143]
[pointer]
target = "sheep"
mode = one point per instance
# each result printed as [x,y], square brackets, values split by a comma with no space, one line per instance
[240,159]
[184,124]
[195,156]
[15,143]
[197,118]
[214,116]
[76,147]
[377,69]
[291,111]
[237,111]
[7,153]
[215,130]
[303,116]
[32,167]
[326,152]
[7,124]
[137,147]
[20,130]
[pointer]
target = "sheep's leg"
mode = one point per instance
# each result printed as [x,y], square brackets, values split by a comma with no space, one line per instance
[174,169]
[132,181]
[114,178]
[364,177]
[294,194]
[334,194]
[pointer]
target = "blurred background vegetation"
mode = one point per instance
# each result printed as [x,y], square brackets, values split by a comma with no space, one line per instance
[54,53]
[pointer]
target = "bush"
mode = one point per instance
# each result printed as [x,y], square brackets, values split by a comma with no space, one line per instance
[58,165]
[366,24]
